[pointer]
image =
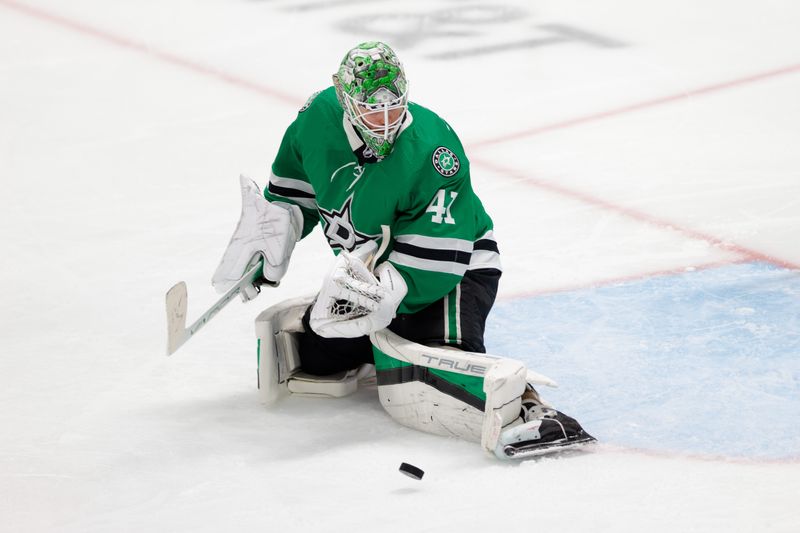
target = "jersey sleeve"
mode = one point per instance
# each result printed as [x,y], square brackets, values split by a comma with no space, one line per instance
[434,238]
[288,181]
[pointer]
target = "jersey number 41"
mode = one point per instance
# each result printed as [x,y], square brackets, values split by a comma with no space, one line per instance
[441,212]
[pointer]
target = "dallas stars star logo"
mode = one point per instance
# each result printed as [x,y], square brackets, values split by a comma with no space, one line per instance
[339,228]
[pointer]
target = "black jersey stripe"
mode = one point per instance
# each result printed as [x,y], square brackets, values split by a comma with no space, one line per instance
[453,256]
[288,192]
[486,244]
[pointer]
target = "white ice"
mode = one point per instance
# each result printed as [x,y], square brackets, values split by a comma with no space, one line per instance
[617,144]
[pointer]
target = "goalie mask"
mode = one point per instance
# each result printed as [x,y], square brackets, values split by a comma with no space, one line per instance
[372,89]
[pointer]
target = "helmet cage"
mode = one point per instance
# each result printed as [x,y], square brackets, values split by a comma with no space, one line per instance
[378,123]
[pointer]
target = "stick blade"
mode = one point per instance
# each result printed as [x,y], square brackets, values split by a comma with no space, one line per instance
[177,304]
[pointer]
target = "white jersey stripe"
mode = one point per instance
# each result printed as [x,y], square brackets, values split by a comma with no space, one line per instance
[484,259]
[446,318]
[446,267]
[308,203]
[458,314]
[291,183]
[297,191]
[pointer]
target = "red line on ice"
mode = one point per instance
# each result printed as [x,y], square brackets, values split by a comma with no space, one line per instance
[639,106]
[621,279]
[636,215]
[231,79]
[149,50]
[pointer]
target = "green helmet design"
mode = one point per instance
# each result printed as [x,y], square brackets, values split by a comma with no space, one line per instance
[372,89]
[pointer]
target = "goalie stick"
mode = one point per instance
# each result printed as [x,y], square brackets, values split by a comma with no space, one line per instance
[178,302]
[178,299]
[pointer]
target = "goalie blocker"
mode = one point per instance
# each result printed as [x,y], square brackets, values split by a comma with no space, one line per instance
[445,391]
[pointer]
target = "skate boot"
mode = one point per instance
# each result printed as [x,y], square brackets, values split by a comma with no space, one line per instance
[541,430]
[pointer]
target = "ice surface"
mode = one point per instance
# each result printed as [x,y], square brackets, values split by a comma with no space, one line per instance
[704,362]
[639,160]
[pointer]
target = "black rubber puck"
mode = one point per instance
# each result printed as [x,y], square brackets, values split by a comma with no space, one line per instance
[411,471]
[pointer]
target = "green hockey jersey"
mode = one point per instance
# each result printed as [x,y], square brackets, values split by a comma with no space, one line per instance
[421,190]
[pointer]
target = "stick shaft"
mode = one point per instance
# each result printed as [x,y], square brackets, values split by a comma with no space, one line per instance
[177,302]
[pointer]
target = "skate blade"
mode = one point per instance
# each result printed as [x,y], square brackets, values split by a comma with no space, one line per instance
[523,451]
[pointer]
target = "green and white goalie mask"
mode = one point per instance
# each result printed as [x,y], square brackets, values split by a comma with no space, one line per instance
[372,89]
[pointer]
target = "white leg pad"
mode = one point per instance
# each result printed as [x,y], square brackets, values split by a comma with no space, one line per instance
[279,372]
[504,384]
[440,402]
[333,386]
[419,406]
[278,356]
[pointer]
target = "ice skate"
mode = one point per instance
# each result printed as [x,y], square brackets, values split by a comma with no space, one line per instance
[543,430]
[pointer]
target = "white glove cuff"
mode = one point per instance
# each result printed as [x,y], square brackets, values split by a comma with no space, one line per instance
[391,280]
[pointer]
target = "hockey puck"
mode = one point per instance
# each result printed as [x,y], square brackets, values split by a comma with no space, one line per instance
[412,471]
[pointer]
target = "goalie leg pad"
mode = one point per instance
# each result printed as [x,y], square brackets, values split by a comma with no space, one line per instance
[447,391]
[279,364]
[504,386]
[278,354]
[419,406]
[335,386]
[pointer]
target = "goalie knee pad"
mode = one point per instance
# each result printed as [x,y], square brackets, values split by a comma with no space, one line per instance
[279,370]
